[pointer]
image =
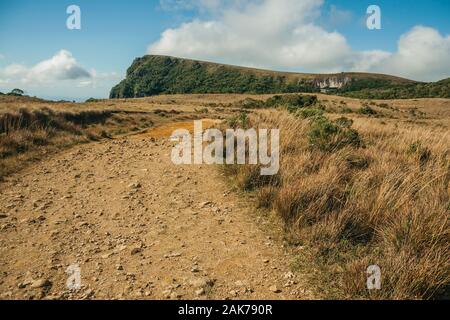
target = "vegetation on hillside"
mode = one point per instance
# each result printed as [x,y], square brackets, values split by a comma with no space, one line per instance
[154,75]
[440,89]
[17,92]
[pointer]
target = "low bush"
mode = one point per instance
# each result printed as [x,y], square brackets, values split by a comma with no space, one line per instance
[367,110]
[291,101]
[329,136]
[309,113]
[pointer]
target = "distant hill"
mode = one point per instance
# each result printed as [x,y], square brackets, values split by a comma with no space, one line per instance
[8,98]
[153,75]
[439,89]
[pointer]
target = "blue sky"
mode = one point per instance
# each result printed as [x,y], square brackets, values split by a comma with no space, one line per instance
[300,35]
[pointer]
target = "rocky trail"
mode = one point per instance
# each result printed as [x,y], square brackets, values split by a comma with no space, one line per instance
[138,227]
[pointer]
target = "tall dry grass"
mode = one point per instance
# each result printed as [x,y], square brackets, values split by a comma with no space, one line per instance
[382,201]
[27,134]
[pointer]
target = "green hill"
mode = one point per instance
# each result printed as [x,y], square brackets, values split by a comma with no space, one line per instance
[440,89]
[153,75]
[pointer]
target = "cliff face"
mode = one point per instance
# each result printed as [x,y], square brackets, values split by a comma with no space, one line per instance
[153,75]
[332,82]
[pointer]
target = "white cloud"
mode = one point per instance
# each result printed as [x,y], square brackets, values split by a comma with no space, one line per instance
[62,66]
[97,79]
[14,71]
[58,76]
[273,33]
[423,53]
[286,35]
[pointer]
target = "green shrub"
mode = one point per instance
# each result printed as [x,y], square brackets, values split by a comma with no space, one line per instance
[16,92]
[366,110]
[344,122]
[345,109]
[309,113]
[326,135]
[92,100]
[300,101]
[274,101]
[292,101]
[202,110]
[250,103]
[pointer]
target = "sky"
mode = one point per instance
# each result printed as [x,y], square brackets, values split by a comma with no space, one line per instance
[40,55]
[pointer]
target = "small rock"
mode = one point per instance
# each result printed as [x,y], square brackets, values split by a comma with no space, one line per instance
[195,269]
[233,293]
[87,294]
[274,289]
[166,294]
[41,283]
[172,255]
[136,250]
[134,185]
[200,292]
[204,204]
[239,283]
[106,255]
[201,283]
[52,297]
[288,275]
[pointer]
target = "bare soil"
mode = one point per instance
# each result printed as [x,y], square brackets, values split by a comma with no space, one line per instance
[138,226]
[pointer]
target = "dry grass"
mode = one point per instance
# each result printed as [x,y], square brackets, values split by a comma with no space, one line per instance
[32,128]
[27,134]
[384,201]
[31,132]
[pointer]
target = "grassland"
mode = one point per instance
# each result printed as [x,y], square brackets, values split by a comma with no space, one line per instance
[361,182]
[32,128]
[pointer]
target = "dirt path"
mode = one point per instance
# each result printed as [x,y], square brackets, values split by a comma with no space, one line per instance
[137,226]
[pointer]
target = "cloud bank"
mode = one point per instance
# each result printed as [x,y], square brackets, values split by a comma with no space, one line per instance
[286,34]
[62,66]
[59,76]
